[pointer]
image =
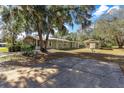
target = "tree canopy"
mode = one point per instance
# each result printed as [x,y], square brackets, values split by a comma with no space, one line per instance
[110,28]
[44,19]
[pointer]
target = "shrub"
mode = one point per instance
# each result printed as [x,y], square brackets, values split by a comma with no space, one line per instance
[14,48]
[28,53]
[27,50]
[81,46]
[26,47]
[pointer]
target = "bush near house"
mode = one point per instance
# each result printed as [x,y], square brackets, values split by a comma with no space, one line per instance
[27,50]
[20,46]
[26,47]
[14,48]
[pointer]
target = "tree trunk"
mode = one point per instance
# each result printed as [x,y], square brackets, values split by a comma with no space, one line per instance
[120,44]
[46,42]
[13,39]
[40,37]
[13,42]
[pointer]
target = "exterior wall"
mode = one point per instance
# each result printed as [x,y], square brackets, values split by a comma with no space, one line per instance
[62,44]
[97,45]
[67,44]
[74,45]
[54,43]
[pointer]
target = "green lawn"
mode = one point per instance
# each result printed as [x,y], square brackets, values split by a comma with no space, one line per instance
[4,49]
[6,58]
[116,52]
[104,55]
[100,54]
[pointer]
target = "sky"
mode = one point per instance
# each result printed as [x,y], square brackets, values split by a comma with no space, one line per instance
[100,9]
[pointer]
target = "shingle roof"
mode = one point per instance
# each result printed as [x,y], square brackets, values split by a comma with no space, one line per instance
[50,38]
[91,41]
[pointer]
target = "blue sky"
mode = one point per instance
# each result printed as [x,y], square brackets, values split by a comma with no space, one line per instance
[100,9]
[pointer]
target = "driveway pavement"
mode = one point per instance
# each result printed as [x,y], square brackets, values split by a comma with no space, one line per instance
[70,72]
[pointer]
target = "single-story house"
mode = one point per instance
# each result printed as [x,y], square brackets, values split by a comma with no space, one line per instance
[92,43]
[54,43]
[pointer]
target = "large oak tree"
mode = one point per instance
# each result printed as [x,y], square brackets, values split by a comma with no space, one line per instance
[44,18]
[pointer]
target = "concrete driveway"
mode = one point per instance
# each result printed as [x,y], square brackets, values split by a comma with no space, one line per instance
[70,72]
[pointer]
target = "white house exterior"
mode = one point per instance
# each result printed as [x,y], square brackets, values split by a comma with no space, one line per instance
[54,43]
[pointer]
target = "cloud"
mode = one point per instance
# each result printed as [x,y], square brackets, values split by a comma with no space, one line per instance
[67,26]
[101,10]
[114,7]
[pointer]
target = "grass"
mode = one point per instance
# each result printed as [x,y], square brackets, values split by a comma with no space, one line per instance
[119,52]
[116,56]
[11,58]
[22,60]
[103,55]
[4,49]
